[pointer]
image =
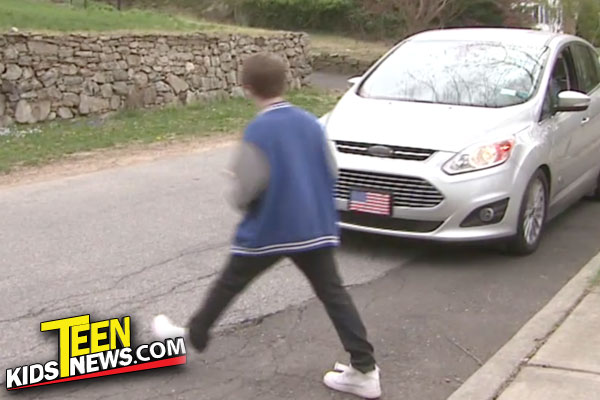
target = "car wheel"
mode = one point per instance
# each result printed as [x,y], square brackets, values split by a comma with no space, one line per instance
[532,216]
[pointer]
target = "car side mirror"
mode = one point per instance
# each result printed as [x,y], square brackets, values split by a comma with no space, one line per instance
[571,101]
[354,80]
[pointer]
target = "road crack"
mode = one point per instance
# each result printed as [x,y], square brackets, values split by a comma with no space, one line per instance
[465,350]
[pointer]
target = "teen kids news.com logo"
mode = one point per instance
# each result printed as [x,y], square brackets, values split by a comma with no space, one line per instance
[90,350]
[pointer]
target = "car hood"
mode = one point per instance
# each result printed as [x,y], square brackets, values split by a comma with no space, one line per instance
[422,125]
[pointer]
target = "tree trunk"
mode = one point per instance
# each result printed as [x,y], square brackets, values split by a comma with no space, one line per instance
[570,24]
[569,9]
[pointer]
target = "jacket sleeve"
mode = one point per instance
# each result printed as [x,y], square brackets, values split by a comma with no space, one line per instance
[331,162]
[250,172]
[329,151]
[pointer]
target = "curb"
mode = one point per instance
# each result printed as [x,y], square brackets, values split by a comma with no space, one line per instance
[491,379]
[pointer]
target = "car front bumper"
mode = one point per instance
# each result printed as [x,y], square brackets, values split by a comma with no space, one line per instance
[462,194]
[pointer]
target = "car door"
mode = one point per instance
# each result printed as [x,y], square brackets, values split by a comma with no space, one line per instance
[587,143]
[561,127]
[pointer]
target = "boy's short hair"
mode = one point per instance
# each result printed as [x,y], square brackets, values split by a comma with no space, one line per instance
[265,75]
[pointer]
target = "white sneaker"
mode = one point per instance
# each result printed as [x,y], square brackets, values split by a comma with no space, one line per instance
[163,328]
[344,378]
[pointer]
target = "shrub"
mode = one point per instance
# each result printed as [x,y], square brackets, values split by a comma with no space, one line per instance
[371,25]
[328,15]
[491,13]
[588,21]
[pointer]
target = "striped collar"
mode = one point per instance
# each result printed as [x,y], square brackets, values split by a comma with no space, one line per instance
[275,106]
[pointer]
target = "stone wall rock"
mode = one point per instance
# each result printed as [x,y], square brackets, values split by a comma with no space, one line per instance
[43,77]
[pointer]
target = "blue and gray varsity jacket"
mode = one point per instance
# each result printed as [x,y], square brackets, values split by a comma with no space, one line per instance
[285,177]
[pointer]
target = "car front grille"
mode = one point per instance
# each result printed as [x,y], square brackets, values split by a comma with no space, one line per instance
[407,191]
[402,153]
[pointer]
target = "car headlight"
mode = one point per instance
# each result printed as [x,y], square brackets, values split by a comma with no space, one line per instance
[480,156]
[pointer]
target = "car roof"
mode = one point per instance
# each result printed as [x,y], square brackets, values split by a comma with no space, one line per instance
[522,37]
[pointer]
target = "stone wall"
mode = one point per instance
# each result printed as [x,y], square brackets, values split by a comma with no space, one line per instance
[44,77]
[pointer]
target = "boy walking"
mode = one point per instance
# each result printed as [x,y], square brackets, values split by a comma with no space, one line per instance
[284,178]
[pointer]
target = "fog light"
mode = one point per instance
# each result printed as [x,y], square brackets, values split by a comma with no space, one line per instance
[487,214]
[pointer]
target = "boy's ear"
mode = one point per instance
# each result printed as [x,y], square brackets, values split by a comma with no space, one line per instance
[251,93]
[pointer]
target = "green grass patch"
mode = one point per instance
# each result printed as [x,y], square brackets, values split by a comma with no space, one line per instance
[46,16]
[43,143]
[596,280]
[65,17]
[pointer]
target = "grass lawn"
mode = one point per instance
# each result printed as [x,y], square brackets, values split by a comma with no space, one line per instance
[41,15]
[43,143]
[596,280]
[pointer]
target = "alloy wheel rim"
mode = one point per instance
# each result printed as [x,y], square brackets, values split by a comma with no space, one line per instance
[534,212]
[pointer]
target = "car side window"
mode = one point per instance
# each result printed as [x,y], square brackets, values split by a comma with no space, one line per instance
[595,60]
[586,65]
[547,107]
[562,79]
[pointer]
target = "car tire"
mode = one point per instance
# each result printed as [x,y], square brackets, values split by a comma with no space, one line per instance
[532,216]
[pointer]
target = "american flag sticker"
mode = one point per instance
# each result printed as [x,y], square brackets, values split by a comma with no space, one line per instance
[370,202]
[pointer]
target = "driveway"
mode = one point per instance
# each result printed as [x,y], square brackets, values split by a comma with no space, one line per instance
[150,238]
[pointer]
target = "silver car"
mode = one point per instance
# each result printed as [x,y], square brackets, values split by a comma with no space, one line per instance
[469,134]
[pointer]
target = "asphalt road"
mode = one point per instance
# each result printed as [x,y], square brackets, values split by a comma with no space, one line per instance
[150,238]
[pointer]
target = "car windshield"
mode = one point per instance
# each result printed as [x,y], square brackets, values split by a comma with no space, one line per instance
[463,73]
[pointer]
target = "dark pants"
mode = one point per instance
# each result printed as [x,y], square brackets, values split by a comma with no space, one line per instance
[320,268]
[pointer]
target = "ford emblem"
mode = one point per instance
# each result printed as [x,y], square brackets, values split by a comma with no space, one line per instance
[380,151]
